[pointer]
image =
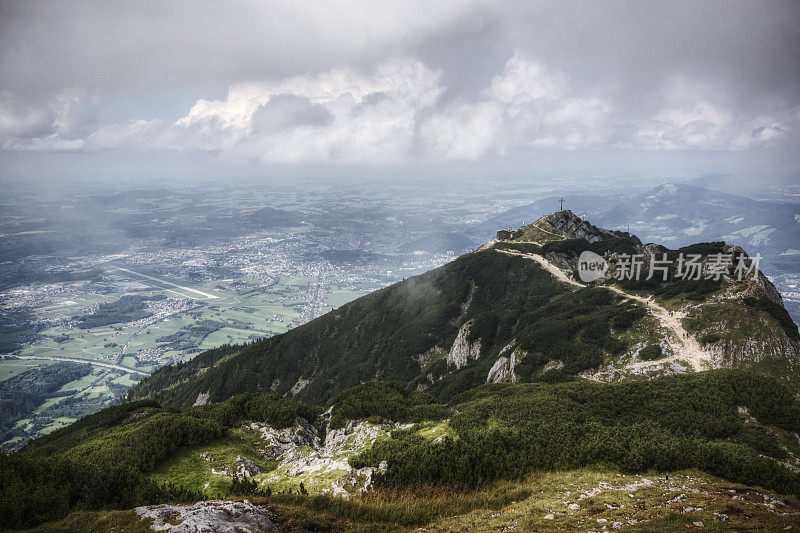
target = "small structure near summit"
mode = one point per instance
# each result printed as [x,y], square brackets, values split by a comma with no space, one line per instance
[504,234]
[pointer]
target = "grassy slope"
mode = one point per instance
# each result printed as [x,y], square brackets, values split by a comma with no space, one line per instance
[376,335]
[105,459]
[379,335]
[187,468]
[647,502]
[637,426]
[538,232]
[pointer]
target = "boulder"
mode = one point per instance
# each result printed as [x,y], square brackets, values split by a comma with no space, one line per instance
[245,467]
[217,516]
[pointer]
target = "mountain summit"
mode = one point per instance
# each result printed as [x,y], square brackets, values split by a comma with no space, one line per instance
[572,226]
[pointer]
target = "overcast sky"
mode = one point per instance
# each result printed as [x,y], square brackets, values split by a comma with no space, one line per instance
[162,87]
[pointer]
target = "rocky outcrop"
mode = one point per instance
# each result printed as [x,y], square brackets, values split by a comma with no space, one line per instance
[278,442]
[499,371]
[468,301]
[555,364]
[202,398]
[767,341]
[424,359]
[462,350]
[299,386]
[503,369]
[210,516]
[569,223]
[323,465]
[755,286]
[746,336]
[245,467]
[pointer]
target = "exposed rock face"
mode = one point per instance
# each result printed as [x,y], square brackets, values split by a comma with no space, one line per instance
[211,516]
[322,465]
[299,386]
[462,351]
[468,301]
[503,369]
[768,342]
[245,467]
[764,339]
[577,228]
[202,398]
[425,358]
[756,286]
[553,365]
[499,371]
[281,441]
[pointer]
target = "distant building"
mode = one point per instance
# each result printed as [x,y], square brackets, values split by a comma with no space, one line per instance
[503,234]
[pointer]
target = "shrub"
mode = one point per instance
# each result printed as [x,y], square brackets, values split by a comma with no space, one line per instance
[505,431]
[242,486]
[710,338]
[102,461]
[651,352]
[382,401]
[776,311]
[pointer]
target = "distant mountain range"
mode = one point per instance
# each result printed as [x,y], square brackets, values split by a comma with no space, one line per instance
[678,215]
[764,187]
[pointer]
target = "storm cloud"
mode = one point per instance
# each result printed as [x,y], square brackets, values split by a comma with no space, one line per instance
[391,83]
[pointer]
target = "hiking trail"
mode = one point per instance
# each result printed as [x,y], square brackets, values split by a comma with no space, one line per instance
[684,346]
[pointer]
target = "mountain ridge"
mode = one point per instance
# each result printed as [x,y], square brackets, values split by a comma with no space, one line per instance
[442,331]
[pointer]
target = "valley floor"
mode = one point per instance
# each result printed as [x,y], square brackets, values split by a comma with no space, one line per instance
[577,500]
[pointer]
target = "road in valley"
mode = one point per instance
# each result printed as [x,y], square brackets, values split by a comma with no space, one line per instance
[84,361]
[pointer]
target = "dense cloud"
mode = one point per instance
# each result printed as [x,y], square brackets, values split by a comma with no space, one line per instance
[358,82]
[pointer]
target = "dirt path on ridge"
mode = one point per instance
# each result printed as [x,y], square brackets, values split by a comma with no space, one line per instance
[684,346]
